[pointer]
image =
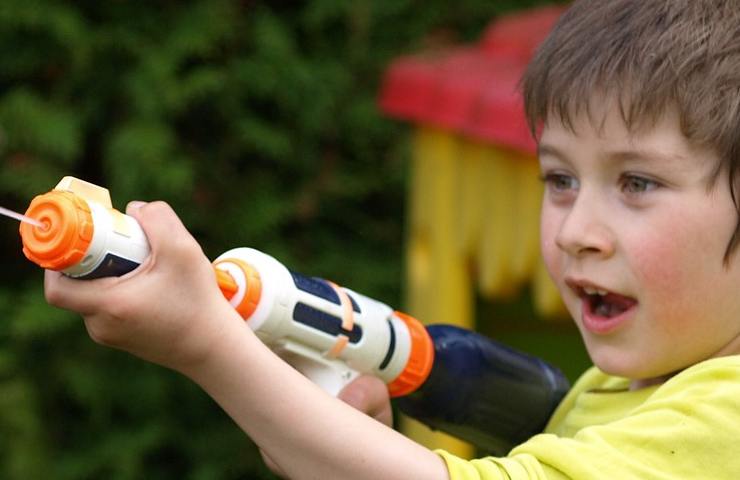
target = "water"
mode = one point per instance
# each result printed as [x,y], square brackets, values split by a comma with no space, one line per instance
[21,217]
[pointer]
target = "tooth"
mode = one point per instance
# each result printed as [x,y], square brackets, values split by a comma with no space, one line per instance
[594,291]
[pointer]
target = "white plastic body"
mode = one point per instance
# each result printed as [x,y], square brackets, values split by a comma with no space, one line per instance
[385,340]
[117,246]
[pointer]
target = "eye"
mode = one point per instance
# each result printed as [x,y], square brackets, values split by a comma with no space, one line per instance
[636,184]
[559,182]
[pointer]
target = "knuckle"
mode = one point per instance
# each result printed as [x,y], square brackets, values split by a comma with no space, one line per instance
[52,294]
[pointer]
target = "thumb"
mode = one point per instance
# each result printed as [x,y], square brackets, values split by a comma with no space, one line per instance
[162,226]
[369,395]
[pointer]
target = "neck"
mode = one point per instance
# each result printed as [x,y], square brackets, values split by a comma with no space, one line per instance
[641,383]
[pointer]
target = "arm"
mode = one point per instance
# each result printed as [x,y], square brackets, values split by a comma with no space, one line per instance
[367,394]
[170,311]
[302,428]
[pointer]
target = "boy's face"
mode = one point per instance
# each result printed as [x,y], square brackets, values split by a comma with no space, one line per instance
[634,237]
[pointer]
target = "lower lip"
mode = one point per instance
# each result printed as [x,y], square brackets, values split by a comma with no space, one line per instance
[603,325]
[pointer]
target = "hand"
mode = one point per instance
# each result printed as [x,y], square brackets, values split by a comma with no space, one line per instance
[168,311]
[367,394]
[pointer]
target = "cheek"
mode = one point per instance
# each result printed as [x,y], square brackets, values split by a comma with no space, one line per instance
[657,263]
[672,264]
[666,286]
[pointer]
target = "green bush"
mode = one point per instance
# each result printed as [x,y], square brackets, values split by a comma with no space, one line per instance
[258,122]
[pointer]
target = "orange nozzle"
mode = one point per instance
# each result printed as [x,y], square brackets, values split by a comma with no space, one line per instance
[229,287]
[67,232]
[421,358]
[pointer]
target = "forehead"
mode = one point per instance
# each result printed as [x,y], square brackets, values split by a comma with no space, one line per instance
[602,131]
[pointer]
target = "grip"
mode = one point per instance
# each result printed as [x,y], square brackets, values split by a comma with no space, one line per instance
[485,392]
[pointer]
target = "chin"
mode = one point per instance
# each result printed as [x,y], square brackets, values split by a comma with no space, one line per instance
[620,363]
[631,367]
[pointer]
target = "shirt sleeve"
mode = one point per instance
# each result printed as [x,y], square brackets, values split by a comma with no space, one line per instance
[492,468]
[687,429]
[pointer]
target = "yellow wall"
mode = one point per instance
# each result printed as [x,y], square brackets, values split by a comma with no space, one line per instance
[473,229]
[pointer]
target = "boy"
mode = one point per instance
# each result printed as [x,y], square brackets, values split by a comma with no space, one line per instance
[636,106]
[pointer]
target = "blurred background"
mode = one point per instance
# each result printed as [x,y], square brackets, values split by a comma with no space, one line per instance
[259,123]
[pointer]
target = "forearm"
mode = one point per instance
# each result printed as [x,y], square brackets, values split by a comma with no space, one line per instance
[308,433]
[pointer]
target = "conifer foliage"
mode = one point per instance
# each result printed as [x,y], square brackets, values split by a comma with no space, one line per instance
[258,122]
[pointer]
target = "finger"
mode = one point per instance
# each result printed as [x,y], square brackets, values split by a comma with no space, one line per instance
[82,296]
[157,219]
[369,394]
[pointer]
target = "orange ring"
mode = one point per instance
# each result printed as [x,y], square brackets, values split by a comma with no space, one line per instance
[226,283]
[253,292]
[67,232]
[421,358]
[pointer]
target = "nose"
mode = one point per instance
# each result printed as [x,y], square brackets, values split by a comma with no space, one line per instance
[585,230]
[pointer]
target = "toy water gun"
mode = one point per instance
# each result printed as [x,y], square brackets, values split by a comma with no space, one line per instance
[449,378]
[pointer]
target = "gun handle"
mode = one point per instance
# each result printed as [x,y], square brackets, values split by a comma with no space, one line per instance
[330,374]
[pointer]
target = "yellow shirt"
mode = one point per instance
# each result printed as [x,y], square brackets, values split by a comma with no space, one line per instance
[685,428]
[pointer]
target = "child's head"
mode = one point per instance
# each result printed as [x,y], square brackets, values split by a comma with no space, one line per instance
[649,56]
[637,108]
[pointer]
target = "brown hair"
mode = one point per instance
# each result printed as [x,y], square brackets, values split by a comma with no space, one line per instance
[649,55]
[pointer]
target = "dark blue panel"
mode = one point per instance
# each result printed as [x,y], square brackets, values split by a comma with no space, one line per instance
[111,266]
[325,322]
[355,307]
[316,286]
[321,288]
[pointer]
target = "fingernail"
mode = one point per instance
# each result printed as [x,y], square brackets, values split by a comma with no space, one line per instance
[135,205]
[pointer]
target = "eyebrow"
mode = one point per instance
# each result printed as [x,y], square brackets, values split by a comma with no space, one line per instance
[644,154]
[549,150]
[617,155]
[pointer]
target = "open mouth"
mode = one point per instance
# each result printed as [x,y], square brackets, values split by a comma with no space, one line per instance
[603,304]
[609,305]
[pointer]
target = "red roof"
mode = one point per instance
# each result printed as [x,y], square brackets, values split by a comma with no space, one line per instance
[473,89]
